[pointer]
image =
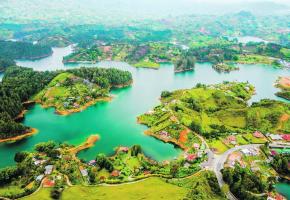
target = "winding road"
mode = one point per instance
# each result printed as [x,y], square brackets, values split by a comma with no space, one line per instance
[216,163]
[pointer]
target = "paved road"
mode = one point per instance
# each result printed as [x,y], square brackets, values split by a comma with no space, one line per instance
[216,163]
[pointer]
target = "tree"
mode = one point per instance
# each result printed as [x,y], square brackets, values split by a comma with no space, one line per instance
[103,162]
[20,156]
[135,150]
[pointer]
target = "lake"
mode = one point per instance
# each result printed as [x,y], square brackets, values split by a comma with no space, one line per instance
[115,121]
[284,189]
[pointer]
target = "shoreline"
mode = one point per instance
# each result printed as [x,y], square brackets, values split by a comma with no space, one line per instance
[90,142]
[183,70]
[20,137]
[171,141]
[75,110]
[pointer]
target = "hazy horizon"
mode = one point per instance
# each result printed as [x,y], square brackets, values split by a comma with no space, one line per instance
[98,10]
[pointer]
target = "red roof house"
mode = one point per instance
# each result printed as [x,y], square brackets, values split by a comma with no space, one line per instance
[258,134]
[48,183]
[286,137]
[191,157]
[115,173]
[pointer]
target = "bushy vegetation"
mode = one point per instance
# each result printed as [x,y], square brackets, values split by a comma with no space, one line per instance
[203,185]
[184,63]
[216,111]
[280,163]
[5,62]
[23,50]
[17,86]
[245,184]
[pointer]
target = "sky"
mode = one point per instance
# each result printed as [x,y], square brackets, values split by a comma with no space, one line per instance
[133,9]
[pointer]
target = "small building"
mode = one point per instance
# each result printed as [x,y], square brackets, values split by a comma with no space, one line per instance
[115,173]
[84,172]
[286,137]
[275,137]
[39,162]
[39,177]
[258,134]
[48,169]
[231,138]
[191,157]
[76,105]
[246,152]
[92,162]
[48,183]
[196,145]
[123,149]
[164,133]
[146,172]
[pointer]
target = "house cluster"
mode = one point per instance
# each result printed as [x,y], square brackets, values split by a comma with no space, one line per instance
[234,158]
[48,169]
[38,162]
[250,151]
[277,137]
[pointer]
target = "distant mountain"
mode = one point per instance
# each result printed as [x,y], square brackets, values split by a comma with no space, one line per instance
[92,11]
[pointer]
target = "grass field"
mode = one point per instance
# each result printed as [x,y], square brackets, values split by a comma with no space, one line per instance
[43,194]
[152,188]
[254,59]
[8,190]
[218,145]
[147,64]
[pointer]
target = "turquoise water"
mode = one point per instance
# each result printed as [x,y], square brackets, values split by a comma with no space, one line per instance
[284,189]
[115,121]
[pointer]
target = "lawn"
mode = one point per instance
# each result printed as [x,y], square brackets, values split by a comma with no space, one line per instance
[254,59]
[43,194]
[9,190]
[218,145]
[147,64]
[253,139]
[241,140]
[152,188]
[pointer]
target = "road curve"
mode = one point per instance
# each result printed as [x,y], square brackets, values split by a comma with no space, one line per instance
[218,165]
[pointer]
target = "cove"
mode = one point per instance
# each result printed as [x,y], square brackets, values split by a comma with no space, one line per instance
[115,121]
[284,189]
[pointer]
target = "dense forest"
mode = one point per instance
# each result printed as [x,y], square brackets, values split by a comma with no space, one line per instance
[23,50]
[244,184]
[5,62]
[19,84]
[184,63]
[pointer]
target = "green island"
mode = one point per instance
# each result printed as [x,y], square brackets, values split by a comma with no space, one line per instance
[215,112]
[222,53]
[225,67]
[68,92]
[144,55]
